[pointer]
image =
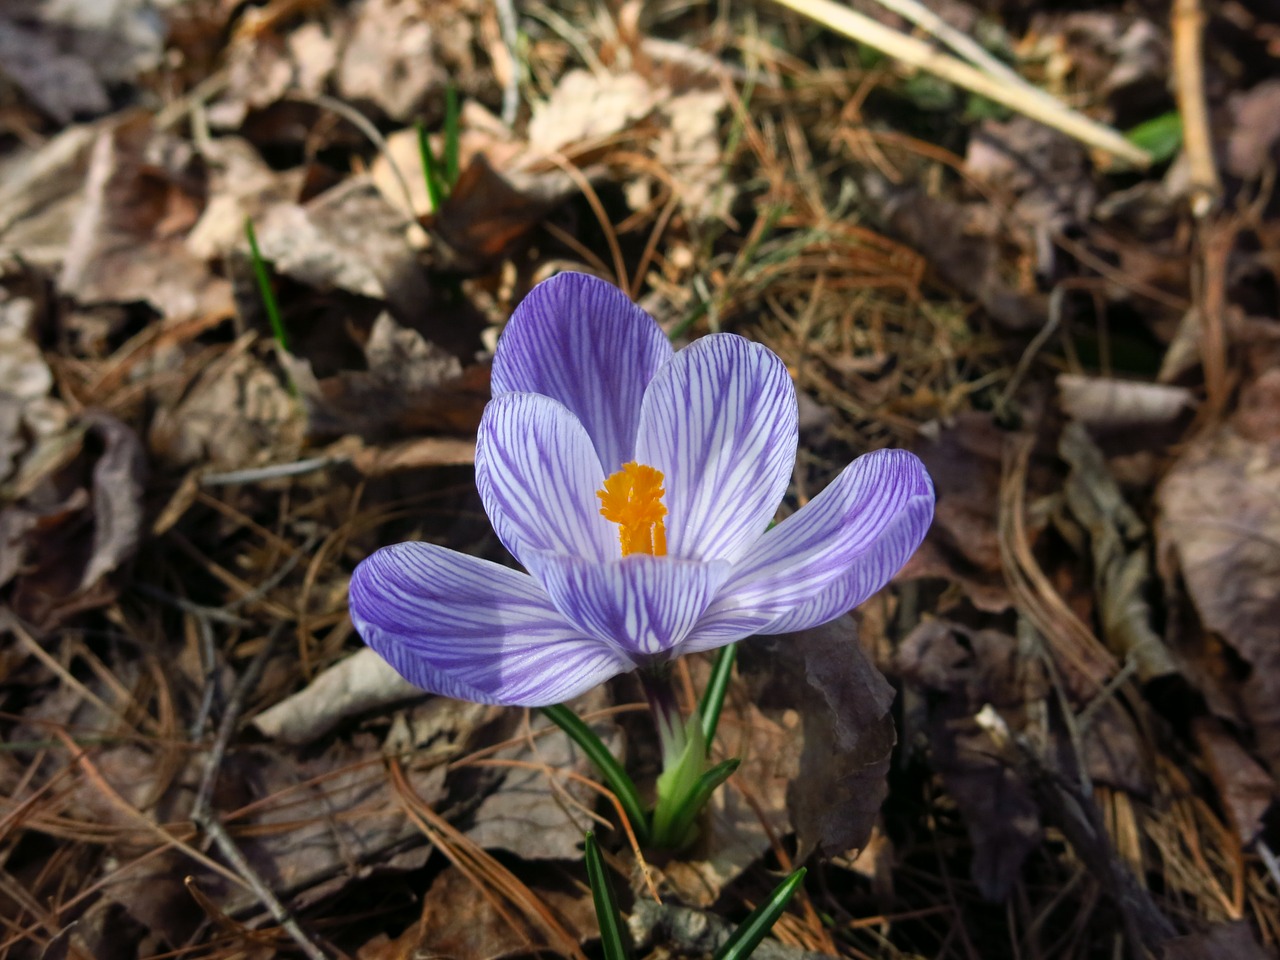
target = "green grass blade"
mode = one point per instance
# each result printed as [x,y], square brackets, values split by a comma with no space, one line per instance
[609,768]
[611,938]
[451,137]
[713,696]
[264,287]
[430,172]
[753,929]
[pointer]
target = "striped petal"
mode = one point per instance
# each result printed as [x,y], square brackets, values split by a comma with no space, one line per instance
[644,605]
[538,475]
[721,422]
[582,341]
[463,627]
[829,556]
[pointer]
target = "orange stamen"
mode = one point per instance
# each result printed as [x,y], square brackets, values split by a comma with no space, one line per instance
[632,498]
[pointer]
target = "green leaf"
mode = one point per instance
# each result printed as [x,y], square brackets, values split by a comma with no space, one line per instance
[713,696]
[753,929]
[1160,136]
[264,287]
[621,784]
[676,783]
[611,937]
[430,171]
[680,828]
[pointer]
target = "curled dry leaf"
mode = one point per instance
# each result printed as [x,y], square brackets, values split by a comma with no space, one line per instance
[1121,565]
[844,705]
[1109,404]
[360,683]
[462,921]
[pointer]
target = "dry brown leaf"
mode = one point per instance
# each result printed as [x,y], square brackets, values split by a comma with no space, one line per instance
[41,192]
[424,48]
[410,386]
[844,705]
[360,683]
[1245,790]
[460,922]
[1118,541]
[348,238]
[81,521]
[61,83]
[537,814]
[963,544]
[236,414]
[1219,526]
[142,195]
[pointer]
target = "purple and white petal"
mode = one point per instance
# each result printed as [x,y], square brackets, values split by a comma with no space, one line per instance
[582,341]
[463,627]
[721,423]
[867,574]
[538,475]
[829,556]
[644,605]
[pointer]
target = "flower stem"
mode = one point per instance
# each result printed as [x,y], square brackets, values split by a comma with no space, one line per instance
[672,727]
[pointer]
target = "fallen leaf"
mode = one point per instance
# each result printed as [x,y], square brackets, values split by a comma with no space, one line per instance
[410,385]
[62,84]
[81,521]
[1118,541]
[359,684]
[538,814]
[1245,790]
[423,48]
[844,705]
[1110,404]
[461,922]
[41,192]
[142,195]
[1218,526]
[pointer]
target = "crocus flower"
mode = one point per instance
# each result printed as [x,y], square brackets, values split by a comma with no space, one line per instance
[636,485]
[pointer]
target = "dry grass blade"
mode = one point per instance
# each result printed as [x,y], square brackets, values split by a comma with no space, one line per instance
[916,53]
[1084,662]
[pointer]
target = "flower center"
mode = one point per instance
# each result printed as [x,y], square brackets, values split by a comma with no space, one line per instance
[632,498]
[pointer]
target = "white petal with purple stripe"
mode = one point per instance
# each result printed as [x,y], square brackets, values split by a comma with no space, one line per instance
[580,340]
[463,627]
[829,556]
[538,476]
[645,605]
[721,423]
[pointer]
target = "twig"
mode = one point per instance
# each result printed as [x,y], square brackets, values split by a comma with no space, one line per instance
[204,816]
[914,52]
[510,39]
[1074,812]
[365,126]
[1188,75]
[273,471]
